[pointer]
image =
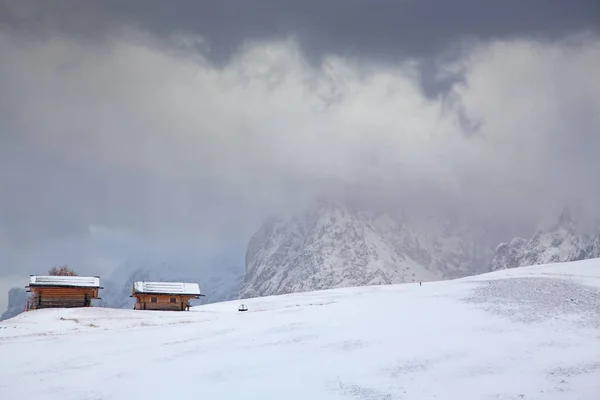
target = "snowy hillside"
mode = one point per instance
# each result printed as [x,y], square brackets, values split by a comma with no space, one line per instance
[525,333]
[561,242]
[332,245]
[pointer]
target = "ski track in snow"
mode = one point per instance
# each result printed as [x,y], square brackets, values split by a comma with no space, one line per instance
[526,333]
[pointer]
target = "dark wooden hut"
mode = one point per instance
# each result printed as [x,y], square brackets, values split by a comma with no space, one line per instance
[62,291]
[164,296]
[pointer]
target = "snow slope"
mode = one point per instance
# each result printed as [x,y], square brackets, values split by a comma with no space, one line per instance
[525,333]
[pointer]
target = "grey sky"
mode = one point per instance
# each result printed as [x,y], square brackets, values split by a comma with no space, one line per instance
[381,30]
[384,27]
[136,128]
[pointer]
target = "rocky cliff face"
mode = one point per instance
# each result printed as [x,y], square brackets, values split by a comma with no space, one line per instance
[333,245]
[17,299]
[563,241]
[591,249]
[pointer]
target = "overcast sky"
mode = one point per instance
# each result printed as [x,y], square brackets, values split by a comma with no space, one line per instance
[152,127]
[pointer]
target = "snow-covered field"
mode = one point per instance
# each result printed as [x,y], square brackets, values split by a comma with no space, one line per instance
[528,333]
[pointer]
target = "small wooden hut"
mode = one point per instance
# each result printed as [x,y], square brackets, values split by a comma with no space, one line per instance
[164,296]
[62,291]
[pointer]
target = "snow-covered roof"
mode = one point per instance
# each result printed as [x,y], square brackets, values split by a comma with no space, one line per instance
[73,281]
[167,288]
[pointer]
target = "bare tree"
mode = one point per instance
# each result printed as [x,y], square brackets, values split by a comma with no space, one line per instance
[62,271]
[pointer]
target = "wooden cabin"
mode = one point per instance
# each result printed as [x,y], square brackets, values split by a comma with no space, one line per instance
[62,291]
[164,296]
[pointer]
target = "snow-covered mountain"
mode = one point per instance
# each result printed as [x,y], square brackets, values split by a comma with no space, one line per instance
[331,245]
[219,280]
[560,242]
[591,249]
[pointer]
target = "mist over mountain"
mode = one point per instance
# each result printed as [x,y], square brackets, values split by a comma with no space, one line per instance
[17,299]
[591,250]
[334,244]
[564,240]
[142,140]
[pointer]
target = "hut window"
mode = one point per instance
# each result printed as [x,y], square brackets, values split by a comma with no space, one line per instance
[173,300]
[153,300]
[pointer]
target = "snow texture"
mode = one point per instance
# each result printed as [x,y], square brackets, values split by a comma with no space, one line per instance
[523,333]
[71,281]
[167,288]
[332,245]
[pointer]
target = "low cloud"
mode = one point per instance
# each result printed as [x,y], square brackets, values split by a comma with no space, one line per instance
[148,137]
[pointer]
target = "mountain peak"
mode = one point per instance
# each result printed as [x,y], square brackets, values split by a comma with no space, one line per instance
[565,221]
[333,244]
[565,240]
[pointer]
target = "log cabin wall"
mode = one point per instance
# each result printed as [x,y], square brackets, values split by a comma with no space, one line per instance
[162,302]
[62,297]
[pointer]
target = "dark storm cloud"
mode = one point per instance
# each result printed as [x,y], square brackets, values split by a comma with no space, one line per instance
[384,28]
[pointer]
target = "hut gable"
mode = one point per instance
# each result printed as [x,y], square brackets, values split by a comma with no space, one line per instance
[165,296]
[62,291]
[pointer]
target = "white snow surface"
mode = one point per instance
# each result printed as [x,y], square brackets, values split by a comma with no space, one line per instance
[79,281]
[167,288]
[524,333]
